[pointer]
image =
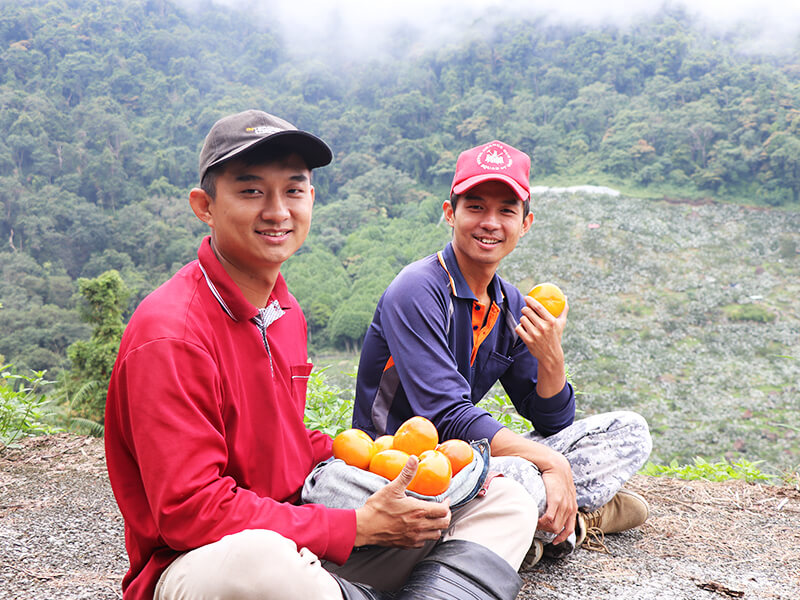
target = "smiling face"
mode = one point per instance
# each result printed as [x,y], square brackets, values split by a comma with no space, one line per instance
[260,216]
[487,224]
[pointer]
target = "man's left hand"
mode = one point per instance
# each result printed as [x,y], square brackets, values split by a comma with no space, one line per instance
[541,332]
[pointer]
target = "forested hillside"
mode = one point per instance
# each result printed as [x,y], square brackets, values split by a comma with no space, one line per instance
[103,108]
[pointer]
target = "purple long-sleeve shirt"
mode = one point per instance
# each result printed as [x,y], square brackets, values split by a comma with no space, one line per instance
[431,350]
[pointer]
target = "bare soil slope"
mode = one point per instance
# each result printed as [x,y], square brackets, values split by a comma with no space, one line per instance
[61,536]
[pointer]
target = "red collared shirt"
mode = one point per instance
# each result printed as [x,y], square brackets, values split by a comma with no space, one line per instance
[204,424]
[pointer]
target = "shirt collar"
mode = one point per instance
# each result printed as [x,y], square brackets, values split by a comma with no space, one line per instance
[227,293]
[458,285]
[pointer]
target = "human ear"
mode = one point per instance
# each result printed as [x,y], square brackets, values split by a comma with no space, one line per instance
[527,222]
[201,202]
[449,213]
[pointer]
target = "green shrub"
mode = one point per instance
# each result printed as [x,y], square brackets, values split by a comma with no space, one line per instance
[84,386]
[329,408]
[702,469]
[502,409]
[748,312]
[22,405]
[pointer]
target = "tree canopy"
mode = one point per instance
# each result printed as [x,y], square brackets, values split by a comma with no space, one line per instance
[104,108]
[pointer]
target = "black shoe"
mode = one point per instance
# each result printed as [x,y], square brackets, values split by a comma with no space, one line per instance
[461,570]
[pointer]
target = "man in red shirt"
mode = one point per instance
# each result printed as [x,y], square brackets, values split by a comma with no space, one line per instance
[206,447]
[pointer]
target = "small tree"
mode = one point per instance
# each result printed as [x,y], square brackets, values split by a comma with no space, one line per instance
[86,384]
[349,322]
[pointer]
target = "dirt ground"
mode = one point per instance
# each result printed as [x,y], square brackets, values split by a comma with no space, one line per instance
[61,537]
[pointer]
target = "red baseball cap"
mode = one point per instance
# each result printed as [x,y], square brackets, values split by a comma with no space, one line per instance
[494,161]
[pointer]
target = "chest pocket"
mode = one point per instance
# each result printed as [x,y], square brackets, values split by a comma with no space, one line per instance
[300,375]
[493,369]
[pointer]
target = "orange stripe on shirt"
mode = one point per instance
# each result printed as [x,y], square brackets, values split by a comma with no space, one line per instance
[480,331]
[440,256]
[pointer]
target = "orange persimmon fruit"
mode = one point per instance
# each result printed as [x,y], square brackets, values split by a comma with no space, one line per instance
[550,296]
[388,463]
[384,442]
[354,447]
[433,474]
[415,436]
[458,452]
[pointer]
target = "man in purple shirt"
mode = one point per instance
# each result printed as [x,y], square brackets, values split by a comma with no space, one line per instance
[448,328]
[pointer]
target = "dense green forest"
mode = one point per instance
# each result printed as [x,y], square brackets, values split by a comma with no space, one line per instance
[103,108]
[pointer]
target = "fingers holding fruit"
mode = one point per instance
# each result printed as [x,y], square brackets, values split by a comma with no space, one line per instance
[389,463]
[542,322]
[391,518]
[550,296]
[546,303]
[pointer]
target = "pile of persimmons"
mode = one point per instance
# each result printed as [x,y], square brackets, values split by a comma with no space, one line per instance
[387,455]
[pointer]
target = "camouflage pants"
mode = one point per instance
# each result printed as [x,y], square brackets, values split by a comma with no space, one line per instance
[603,450]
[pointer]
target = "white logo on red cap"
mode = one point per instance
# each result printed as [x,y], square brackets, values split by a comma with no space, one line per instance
[494,157]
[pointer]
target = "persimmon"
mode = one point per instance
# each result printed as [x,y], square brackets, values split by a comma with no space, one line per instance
[550,296]
[388,463]
[354,447]
[415,436]
[458,452]
[384,442]
[433,474]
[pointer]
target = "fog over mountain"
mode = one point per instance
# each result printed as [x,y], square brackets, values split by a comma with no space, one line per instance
[362,28]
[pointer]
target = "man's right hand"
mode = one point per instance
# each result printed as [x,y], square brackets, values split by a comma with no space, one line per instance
[562,506]
[559,485]
[391,518]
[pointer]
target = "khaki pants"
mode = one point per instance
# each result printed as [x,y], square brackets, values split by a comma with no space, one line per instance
[263,565]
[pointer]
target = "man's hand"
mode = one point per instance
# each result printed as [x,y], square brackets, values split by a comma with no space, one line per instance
[562,503]
[390,518]
[541,332]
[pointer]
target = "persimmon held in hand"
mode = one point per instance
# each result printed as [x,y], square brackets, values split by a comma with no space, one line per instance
[354,447]
[388,463]
[458,452]
[415,436]
[433,474]
[550,296]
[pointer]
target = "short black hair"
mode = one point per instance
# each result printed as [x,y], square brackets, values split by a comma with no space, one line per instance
[260,155]
[526,204]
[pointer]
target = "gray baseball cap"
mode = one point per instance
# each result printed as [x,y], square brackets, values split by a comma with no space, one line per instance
[234,134]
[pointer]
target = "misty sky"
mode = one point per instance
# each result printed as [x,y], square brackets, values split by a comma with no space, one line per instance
[365,25]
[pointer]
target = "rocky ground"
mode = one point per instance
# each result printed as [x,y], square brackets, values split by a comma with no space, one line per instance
[61,537]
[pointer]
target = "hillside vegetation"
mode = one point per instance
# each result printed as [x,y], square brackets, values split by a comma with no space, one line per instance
[687,313]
